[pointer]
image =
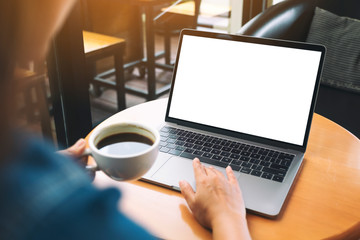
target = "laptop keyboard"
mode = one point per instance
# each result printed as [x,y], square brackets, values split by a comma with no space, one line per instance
[245,158]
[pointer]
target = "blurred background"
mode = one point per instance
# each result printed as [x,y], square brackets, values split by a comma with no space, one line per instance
[112,55]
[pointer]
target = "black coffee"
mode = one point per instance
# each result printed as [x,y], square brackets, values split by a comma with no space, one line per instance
[124,144]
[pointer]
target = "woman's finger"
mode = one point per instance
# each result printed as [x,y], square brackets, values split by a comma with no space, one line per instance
[75,150]
[188,193]
[199,170]
[231,176]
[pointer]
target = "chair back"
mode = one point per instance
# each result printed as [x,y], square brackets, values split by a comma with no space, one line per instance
[291,19]
[287,20]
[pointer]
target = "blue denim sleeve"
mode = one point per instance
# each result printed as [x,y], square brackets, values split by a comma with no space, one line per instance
[47,196]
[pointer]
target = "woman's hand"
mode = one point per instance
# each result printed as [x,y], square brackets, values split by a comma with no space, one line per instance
[217,203]
[76,151]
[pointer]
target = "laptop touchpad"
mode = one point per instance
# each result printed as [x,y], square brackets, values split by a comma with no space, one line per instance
[175,170]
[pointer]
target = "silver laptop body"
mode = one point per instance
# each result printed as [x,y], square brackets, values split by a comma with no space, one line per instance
[244,96]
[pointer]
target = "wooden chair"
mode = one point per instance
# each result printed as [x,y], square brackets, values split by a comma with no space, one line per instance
[173,19]
[35,105]
[98,46]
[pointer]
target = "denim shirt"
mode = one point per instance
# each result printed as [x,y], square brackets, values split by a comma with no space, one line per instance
[47,196]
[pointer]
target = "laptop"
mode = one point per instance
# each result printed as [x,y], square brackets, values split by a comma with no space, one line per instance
[240,101]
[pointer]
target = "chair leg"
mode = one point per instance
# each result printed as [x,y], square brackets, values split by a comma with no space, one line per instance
[28,98]
[91,73]
[41,99]
[167,43]
[120,79]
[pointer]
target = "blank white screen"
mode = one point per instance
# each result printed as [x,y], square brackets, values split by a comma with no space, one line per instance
[255,89]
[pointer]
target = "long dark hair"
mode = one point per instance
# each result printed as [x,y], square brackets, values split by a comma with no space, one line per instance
[8,37]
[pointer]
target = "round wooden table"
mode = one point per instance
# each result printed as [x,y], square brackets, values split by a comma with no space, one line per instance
[324,201]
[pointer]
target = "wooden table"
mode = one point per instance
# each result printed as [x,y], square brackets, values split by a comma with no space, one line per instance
[324,201]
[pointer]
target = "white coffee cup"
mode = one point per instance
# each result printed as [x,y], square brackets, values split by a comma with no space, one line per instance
[120,166]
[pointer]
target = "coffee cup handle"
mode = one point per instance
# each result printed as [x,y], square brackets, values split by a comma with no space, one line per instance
[90,168]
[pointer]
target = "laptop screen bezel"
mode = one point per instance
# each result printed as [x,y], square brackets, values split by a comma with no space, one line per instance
[248,39]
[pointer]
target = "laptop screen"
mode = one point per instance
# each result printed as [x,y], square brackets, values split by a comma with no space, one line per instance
[255,89]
